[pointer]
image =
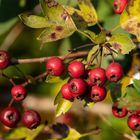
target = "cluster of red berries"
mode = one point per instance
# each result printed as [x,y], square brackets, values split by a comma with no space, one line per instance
[79,85]
[10,116]
[133,120]
[119,6]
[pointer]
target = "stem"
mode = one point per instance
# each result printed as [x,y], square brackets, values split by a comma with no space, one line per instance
[44,59]
[9,78]
[40,76]
[101,53]
[11,102]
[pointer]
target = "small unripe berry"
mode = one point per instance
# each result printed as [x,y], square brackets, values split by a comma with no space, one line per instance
[55,66]
[4,59]
[119,112]
[76,69]
[97,76]
[119,6]
[66,93]
[114,72]
[77,87]
[134,122]
[98,94]
[10,117]
[18,92]
[31,119]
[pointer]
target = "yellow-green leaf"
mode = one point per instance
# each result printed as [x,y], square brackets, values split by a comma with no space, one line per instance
[89,12]
[130,19]
[63,106]
[34,21]
[64,26]
[122,43]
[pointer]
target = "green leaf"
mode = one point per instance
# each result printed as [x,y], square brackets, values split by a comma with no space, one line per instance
[34,21]
[92,52]
[122,43]
[89,12]
[53,79]
[64,26]
[137,84]
[130,19]
[25,133]
[63,106]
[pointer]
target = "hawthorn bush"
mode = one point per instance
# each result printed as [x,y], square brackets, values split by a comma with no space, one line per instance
[70,69]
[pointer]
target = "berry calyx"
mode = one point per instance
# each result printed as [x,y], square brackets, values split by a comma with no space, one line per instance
[10,117]
[97,94]
[119,6]
[134,122]
[18,92]
[66,93]
[4,59]
[76,69]
[31,119]
[77,87]
[119,112]
[97,76]
[55,66]
[114,72]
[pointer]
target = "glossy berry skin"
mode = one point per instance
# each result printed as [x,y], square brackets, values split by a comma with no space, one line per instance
[119,112]
[134,122]
[10,117]
[18,93]
[4,59]
[31,119]
[76,69]
[77,87]
[55,66]
[97,93]
[119,6]
[66,93]
[114,72]
[97,76]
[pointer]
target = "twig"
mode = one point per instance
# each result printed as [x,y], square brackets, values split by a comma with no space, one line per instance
[44,59]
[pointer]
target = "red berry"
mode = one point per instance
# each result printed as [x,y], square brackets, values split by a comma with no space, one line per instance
[76,69]
[134,122]
[98,93]
[18,92]
[66,92]
[77,87]
[10,117]
[4,59]
[31,119]
[119,6]
[55,66]
[97,76]
[114,72]
[119,112]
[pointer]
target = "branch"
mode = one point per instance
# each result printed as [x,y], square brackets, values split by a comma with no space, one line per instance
[44,59]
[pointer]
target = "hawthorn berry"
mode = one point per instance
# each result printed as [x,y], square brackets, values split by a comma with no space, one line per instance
[18,92]
[55,66]
[119,112]
[114,72]
[119,6]
[66,93]
[4,59]
[31,119]
[97,76]
[10,117]
[76,69]
[97,93]
[77,87]
[134,122]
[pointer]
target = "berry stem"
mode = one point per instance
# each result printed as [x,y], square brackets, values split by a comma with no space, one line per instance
[40,76]
[9,78]
[43,59]
[11,102]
